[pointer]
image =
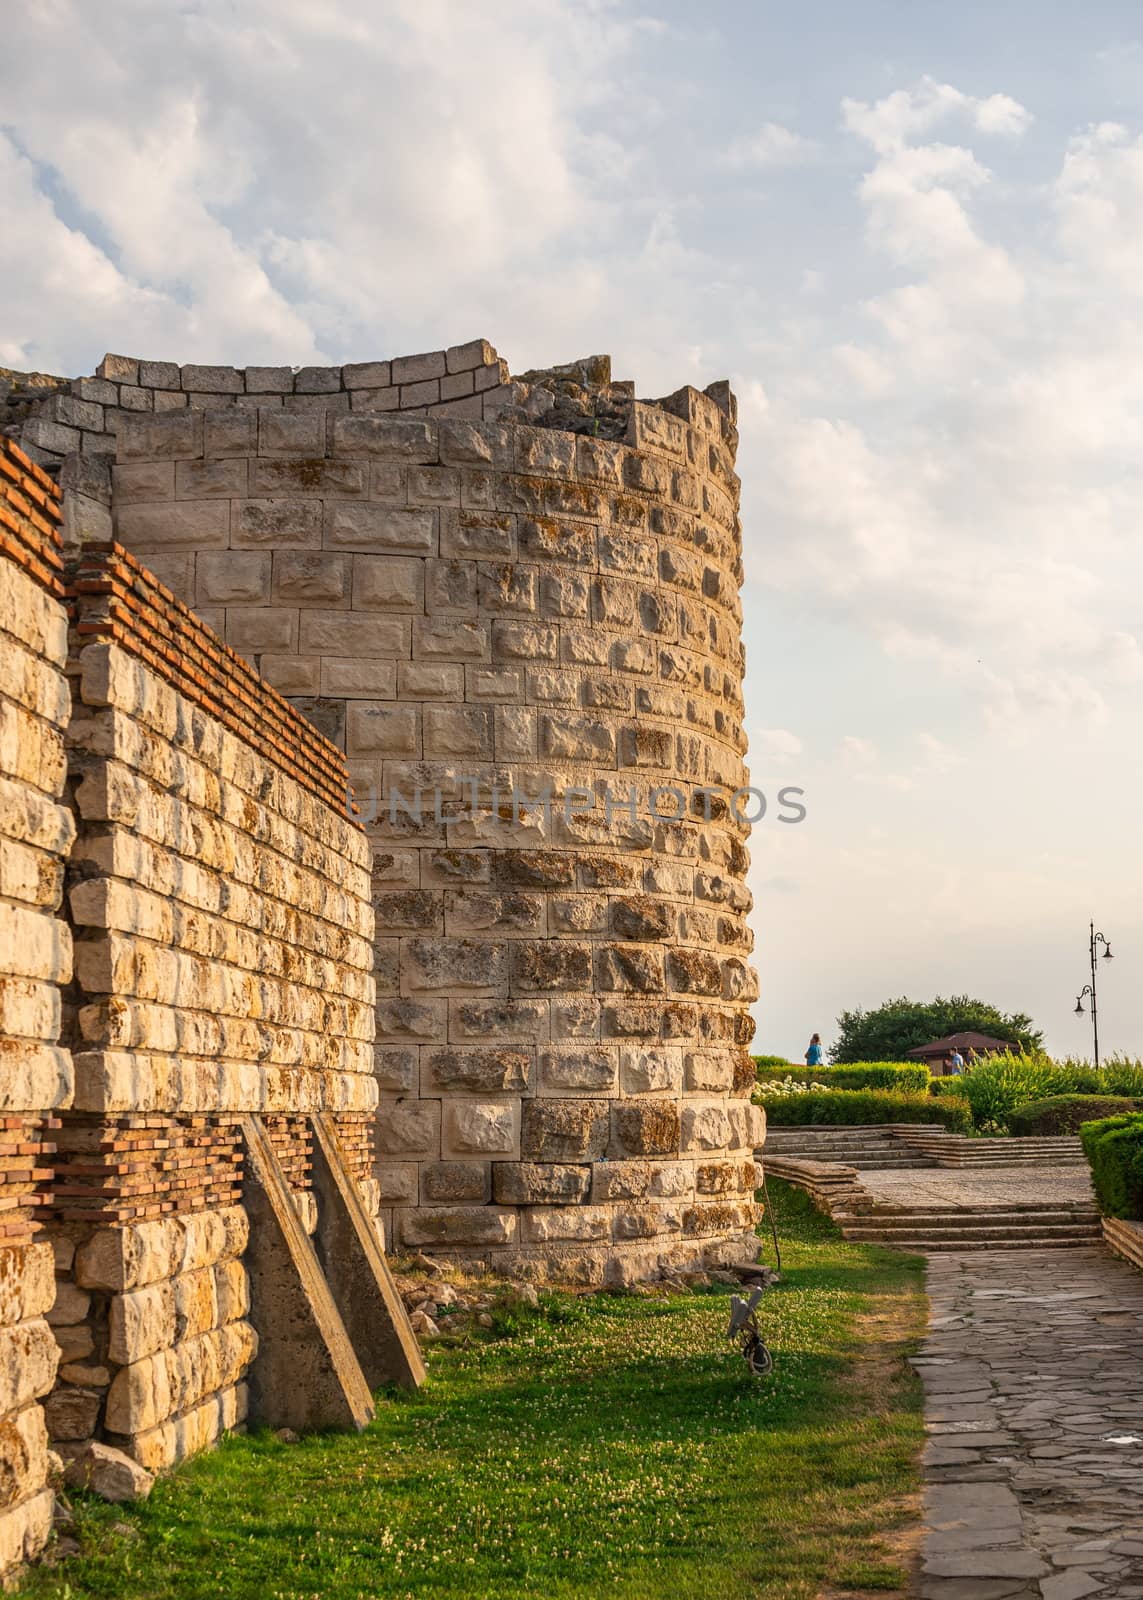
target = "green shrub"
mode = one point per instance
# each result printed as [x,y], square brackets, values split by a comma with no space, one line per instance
[853,1107]
[995,1086]
[1123,1076]
[777,1064]
[1114,1147]
[1063,1113]
[947,1086]
[861,1075]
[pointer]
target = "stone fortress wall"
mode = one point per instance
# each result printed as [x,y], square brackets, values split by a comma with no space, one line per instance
[198,986]
[544,597]
[36,833]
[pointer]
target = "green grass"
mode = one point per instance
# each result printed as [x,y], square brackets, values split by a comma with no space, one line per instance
[602,1445]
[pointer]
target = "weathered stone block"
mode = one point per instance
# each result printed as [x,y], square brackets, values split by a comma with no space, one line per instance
[477,1071]
[458,1225]
[523,1183]
[456,1183]
[564,1130]
[647,1127]
[489,1128]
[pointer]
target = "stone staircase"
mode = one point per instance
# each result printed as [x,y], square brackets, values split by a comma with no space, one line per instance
[829,1163]
[1002,1227]
[873,1148]
[884,1146]
[955,1150]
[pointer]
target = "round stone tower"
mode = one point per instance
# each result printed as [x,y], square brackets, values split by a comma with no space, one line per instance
[516,602]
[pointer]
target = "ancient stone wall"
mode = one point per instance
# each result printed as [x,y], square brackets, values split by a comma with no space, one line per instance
[220,897]
[35,962]
[482,606]
[57,417]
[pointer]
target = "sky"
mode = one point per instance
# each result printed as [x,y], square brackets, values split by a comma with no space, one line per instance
[912,236]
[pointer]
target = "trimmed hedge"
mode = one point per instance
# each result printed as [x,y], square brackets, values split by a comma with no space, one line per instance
[775,1063]
[1114,1147]
[861,1075]
[1063,1113]
[852,1107]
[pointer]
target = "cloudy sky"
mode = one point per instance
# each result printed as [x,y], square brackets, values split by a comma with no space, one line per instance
[913,238]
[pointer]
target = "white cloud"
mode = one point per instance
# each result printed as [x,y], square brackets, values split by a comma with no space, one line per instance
[888,123]
[771,146]
[776,746]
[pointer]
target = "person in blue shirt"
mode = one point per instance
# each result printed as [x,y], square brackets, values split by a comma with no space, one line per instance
[814,1053]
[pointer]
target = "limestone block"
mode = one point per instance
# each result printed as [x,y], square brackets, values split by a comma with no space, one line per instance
[174,525]
[418,369]
[72,1413]
[550,965]
[458,731]
[397,1182]
[475,1128]
[23,1456]
[420,1021]
[590,1070]
[288,523]
[646,1128]
[651,1071]
[171,437]
[564,1131]
[230,577]
[498,1019]
[269,380]
[307,477]
[582,1223]
[402,439]
[469,1070]
[256,628]
[428,680]
[339,633]
[160,1448]
[447,1226]
[109,1473]
[456,1183]
[453,640]
[366,525]
[395,1068]
[351,678]
[409,1128]
[25,1530]
[386,730]
[452,964]
[708,1127]
[387,583]
[27,1282]
[522,1183]
[366,375]
[631,967]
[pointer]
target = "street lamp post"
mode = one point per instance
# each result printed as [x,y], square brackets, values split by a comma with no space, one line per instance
[1094,941]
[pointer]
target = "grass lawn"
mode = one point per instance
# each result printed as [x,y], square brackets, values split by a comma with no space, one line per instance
[609,1444]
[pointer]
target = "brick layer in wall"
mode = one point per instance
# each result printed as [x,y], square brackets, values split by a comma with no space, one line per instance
[113,1170]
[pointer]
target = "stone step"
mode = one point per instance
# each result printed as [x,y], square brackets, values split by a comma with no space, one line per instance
[928,1245]
[870,1227]
[868,1231]
[1056,1216]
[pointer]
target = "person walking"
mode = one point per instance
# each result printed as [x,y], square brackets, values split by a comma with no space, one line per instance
[814,1053]
[956,1063]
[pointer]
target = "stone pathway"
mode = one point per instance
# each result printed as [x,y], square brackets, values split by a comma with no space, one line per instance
[979,1187]
[1033,1373]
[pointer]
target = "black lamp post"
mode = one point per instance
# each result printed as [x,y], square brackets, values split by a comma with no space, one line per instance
[1094,941]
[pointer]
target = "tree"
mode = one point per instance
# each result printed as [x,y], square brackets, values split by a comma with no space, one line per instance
[891,1030]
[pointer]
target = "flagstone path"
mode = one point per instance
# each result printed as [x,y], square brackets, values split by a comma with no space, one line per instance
[1033,1373]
